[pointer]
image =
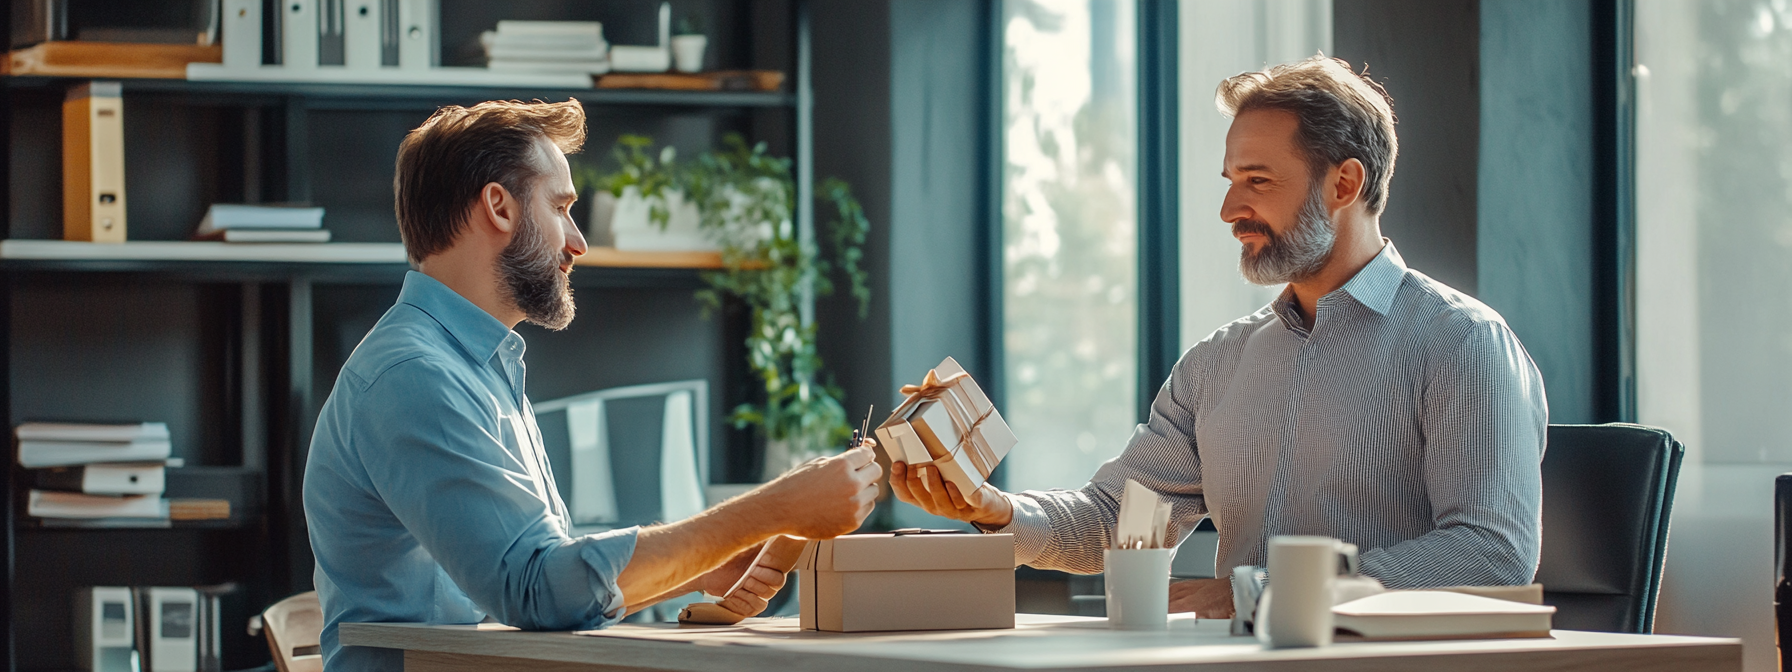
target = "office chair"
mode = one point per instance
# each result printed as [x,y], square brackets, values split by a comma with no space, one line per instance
[293,626]
[1608,491]
[1782,552]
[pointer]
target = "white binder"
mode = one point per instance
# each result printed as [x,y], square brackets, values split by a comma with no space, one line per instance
[417,39]
[103,627]
[172,633]
[298,34]
[361,35]
[242,34]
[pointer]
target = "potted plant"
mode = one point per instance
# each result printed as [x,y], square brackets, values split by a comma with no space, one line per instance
[746,200]
[688,44]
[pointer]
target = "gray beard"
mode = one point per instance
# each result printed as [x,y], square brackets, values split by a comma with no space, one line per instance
[530,274]
[1298,256]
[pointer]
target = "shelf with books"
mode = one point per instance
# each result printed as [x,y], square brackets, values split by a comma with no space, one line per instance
[329,95]
[355,263]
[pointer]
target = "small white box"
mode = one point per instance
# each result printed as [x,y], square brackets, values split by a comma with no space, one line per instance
[103,627]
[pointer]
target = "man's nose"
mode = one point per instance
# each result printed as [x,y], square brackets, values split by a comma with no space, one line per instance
[575,239]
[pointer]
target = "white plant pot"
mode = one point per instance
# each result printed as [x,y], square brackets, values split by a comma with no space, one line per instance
[687,52]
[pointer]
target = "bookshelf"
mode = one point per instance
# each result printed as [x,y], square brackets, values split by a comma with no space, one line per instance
[237,346]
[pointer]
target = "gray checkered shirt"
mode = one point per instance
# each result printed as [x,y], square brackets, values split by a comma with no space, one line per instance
[1408,420]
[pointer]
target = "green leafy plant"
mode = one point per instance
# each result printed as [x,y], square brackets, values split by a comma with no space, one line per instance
[746,200]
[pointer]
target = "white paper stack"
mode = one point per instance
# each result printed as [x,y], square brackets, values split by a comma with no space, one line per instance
[85,472]
[263,224]
[46,444]
[575,47]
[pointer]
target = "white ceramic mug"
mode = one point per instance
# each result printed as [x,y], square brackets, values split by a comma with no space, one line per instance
[1296,610]
[1138,587]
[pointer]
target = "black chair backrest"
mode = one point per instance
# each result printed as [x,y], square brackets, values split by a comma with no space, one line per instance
[1782,565]
[1608,491]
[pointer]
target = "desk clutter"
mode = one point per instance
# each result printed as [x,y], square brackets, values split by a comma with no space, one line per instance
[148,628]
[104,475]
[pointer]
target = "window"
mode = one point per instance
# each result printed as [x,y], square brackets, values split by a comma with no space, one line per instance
[1713,264]
[1069,236]
[1218,40]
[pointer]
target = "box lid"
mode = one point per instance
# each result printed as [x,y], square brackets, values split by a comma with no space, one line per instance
[914,552]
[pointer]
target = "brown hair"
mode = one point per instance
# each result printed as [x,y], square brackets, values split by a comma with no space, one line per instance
[1342,115]
[443,164]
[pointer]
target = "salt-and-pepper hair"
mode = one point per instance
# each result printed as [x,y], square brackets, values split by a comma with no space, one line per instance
[1342,115]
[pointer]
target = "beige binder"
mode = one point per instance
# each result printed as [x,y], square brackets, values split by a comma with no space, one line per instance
[93,163]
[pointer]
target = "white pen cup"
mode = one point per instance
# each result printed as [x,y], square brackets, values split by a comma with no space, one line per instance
[1138,587]
[1296,610]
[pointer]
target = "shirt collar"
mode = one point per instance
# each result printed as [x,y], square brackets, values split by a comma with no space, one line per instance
[1378,282]
[478,332]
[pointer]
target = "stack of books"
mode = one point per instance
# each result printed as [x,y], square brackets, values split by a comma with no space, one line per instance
[263,224]
[86,475]
[95,472]
[559,47]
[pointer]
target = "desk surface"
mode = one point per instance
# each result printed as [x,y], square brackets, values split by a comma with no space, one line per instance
[1038,643]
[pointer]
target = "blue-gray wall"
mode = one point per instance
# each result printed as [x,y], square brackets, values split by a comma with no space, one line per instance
[1536,206]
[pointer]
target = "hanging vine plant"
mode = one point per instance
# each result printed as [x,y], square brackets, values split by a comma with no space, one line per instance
[746,201]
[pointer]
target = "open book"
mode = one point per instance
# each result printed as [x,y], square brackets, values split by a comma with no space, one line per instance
[1438,614]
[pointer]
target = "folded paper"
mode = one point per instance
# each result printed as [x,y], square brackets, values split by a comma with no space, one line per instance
[948,422]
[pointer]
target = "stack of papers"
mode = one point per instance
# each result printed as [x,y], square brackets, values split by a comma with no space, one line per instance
[92,472]
[263,224]
[562,47]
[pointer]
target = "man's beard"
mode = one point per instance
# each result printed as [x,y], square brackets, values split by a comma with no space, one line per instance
[529,272]
[1295,258]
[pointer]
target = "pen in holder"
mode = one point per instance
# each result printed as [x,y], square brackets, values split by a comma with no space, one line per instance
[1137,567]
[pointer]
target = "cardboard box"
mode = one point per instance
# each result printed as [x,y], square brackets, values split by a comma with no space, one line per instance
[872,582]
[948,422]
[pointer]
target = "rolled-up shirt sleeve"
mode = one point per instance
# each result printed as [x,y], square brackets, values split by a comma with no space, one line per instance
[481,509]
[1485,423]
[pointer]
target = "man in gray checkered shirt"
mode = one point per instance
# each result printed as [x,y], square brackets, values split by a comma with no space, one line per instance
[1368,402]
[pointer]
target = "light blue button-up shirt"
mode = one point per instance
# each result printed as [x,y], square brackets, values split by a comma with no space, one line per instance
[428,494]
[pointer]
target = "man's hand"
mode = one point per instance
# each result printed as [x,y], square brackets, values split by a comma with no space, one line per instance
[1208,598]
[825,497]
[923,487]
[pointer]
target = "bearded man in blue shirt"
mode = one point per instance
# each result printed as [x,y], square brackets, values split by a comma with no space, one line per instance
[427,491]
[1368,402]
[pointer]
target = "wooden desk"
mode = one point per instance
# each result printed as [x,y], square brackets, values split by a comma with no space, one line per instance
[1040,643]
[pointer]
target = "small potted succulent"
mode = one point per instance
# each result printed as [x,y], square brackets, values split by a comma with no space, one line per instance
[688,44]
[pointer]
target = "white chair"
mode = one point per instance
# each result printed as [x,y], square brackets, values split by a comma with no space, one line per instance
[293,626]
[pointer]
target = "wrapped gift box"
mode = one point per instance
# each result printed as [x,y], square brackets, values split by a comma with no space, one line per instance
[873,582]
[948,422]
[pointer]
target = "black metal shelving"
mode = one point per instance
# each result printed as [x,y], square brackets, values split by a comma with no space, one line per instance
[272,318]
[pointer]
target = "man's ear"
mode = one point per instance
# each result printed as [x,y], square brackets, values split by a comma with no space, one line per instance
[1347,185]
[500,207]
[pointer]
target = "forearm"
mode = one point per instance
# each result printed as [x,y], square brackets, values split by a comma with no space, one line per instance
[669,557]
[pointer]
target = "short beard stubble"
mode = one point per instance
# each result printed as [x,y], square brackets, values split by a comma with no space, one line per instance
[529,272]
[1297,257]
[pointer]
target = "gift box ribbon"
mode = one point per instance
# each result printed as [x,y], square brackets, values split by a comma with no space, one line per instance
[933,388]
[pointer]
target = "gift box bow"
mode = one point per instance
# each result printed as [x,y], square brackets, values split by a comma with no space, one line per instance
[966,421]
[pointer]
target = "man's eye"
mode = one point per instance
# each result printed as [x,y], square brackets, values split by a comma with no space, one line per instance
[1259,180]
